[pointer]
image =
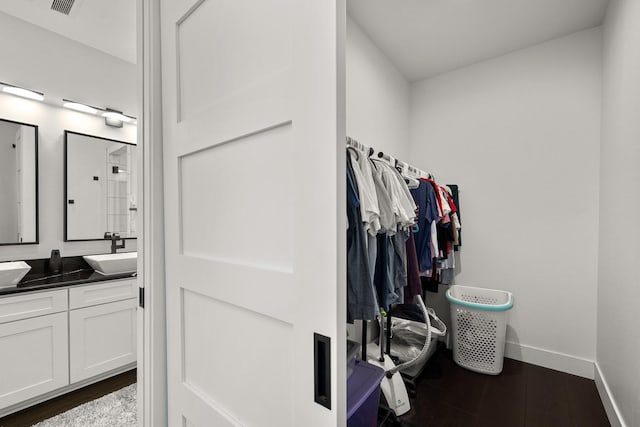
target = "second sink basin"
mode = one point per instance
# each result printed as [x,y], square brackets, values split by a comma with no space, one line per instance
[108,264]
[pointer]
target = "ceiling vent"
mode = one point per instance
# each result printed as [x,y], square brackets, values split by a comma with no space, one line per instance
[62,6]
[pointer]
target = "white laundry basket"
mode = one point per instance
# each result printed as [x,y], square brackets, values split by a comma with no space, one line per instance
[479,327]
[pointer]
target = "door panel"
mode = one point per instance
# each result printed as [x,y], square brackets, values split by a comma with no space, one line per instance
[254,353]
[247,45]
[253,223]
[253,230]
[35,357]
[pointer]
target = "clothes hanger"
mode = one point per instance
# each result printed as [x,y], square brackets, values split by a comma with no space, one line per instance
[354,151]
[387,158]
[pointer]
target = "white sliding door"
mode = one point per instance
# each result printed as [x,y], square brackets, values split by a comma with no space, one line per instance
[254,180]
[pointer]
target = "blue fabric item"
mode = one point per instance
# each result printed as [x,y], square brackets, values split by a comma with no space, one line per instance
[361,299]
[400,265]
[425,198]
[384,272]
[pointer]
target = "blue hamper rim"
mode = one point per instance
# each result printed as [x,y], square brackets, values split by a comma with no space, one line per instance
[478,306]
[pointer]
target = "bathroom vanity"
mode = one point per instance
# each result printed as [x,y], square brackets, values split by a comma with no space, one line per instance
[59,334]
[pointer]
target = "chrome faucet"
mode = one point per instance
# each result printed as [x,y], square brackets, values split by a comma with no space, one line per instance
[115,237]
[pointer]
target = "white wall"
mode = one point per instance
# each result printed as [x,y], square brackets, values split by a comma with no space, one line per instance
[377,96]
[62,68]
[520,135]
[618,354]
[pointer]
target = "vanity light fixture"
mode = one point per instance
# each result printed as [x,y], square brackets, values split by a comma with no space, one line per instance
[115,118]
[112,117]
[84,108]
[25,93]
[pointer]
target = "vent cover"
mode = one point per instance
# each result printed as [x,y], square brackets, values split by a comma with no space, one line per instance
[62,6]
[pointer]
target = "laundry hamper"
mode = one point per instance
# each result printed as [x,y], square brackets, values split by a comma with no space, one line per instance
[479,326]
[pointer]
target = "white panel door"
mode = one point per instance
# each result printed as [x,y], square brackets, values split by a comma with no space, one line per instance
[101,338]
[253,217]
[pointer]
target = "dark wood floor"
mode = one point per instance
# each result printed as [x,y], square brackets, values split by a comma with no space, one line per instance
[522,395]
[447,395]
[58,405]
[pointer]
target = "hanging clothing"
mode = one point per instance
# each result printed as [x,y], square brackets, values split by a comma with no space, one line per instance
[413,273]
[402,205]
[406,200]
[361,297]
[382,279]
[426,201]
[456,217]
[447,269]
[399,241]
[387,215]
[438,197]
[389,263]
[369,209]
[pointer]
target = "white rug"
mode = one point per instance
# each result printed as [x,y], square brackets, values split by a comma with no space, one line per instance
[117,409]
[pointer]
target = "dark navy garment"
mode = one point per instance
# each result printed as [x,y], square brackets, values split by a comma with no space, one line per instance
[456,201]
[413,274]
[383,277]
[425,198]
[399,241]
[361,301]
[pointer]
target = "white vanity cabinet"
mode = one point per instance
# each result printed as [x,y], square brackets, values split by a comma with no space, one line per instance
[102,328]
[34,357]
[55,341]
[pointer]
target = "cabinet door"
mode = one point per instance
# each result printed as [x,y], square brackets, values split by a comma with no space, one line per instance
[101,338]
[34,357]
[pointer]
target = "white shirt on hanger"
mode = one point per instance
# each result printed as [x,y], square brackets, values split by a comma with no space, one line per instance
[369,209]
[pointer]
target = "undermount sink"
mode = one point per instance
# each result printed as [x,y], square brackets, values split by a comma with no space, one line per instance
[108,264]
[12,272]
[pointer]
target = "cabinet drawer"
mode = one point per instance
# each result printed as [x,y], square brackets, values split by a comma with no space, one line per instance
[32,305]
[86,296]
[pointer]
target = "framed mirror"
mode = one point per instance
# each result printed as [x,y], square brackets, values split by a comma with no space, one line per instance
[18,183]
[100,187]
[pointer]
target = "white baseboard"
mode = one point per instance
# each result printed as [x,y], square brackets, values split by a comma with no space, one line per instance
[615,418]
[550,359]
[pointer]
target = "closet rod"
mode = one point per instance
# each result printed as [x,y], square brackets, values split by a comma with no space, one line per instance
[391,160]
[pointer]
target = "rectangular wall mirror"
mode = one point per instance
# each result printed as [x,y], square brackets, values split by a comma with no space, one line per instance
[18,183]
[100,187]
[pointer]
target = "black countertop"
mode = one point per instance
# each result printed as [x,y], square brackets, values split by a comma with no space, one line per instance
[75,271]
